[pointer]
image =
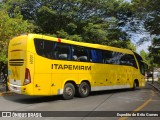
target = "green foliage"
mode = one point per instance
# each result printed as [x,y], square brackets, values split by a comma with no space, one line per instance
[10,27]
[123,44]
[149,12]
[63,34]
[145,56]
[155,51]
[94,21]
[95,33]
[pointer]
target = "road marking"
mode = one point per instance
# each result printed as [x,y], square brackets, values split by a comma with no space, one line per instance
[141,106]
[153,93]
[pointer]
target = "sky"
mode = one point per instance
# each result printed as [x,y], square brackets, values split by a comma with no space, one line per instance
[137,36]
[128,0]
[143,46]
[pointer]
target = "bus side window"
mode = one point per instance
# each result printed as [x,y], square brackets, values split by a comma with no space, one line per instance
[108,57]
[129,60]
[62,51]
[39,46]
[142,68]
[116,56]
[133,61]
[125,60]
[80,54]
[44,47]
[48,48]
[97,56]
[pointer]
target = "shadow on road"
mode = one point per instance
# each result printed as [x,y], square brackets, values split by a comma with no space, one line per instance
[111,91]
[24,99]
[32,99]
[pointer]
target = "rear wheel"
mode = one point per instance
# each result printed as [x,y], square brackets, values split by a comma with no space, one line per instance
[69,91]
[84,89]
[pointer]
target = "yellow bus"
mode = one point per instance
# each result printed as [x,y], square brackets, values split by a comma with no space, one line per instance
[43,65]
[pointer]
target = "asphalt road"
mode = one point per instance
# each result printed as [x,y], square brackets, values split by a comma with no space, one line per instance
[127,101]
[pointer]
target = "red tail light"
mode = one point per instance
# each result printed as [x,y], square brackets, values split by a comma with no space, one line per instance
[27,79]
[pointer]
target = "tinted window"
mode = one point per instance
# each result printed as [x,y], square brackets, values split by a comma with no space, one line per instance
[139,59]
[44,47]
[80,54]
[97,56]
[111,57]
[62,51]
[142,68]
[133,61]
[52,50]
[128,59]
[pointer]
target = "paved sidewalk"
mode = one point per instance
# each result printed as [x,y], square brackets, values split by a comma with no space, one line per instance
[155,84]
[3,91]
[2,87]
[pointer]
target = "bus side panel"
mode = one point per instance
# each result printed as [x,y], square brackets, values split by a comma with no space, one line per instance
[42,84]
[117,76]
[61,75]
[99,76]
[59,80]
[42,76]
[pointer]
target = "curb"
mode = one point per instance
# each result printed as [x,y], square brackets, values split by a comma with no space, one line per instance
[154,87]
[8,93]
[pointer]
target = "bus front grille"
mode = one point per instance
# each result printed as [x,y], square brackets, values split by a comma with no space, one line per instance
[16,62]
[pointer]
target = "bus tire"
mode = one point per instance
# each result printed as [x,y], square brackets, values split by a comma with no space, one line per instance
[84,89]
[135,85]
[69,91]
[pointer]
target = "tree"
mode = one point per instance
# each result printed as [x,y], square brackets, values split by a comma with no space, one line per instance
[98,21]
[145,57]
[155,51]
[149,11]
[10,27]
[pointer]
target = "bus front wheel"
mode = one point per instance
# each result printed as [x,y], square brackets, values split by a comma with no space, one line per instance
[135,85]
[84,89]
[69,91]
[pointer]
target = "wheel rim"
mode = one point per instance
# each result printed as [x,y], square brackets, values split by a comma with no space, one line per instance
[84,89]
[69,91]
